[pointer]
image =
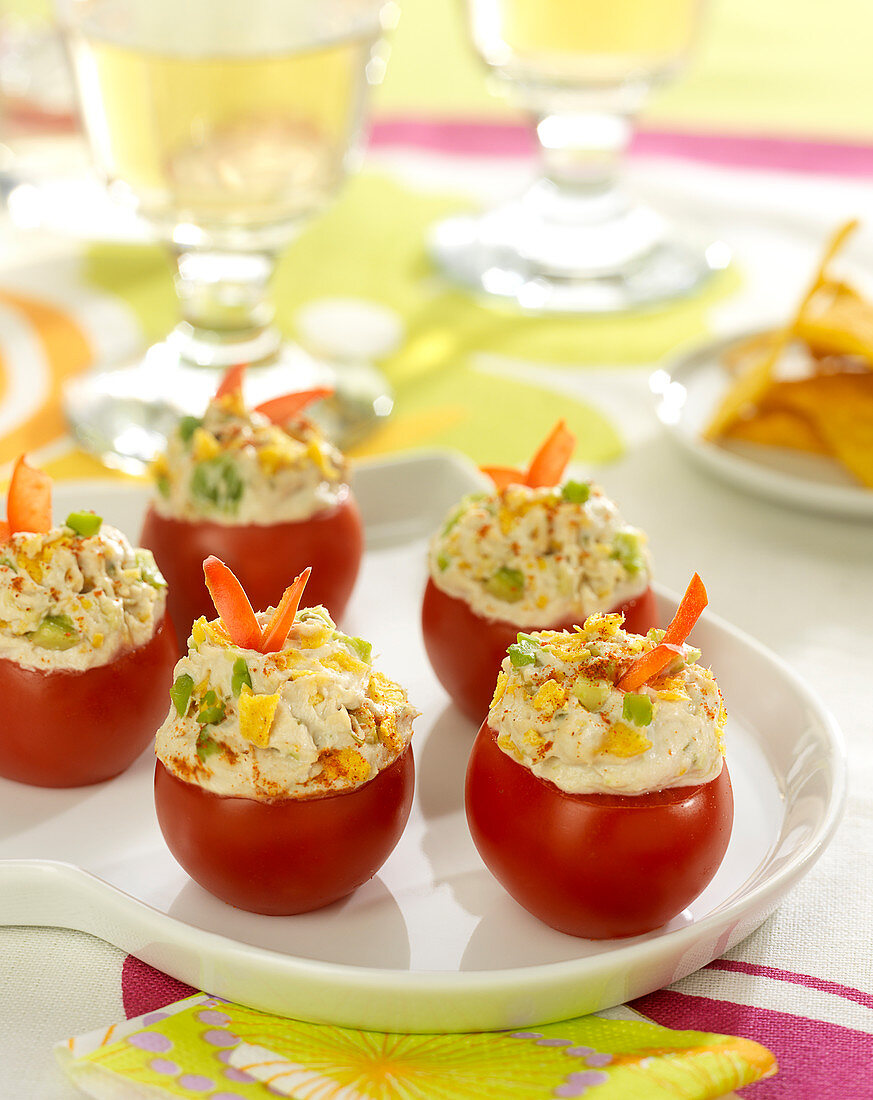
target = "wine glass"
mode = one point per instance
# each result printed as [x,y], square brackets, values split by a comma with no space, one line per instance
[575,241]
[228,124]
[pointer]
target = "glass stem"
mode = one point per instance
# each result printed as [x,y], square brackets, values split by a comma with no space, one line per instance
[581,160]
[226,310]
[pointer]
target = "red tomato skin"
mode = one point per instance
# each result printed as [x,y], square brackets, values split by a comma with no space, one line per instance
[291,855]
[70,729]
[592,865]
[265,559]
[466,650]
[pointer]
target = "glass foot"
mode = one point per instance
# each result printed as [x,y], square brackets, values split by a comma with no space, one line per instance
[124,415]
[557,265]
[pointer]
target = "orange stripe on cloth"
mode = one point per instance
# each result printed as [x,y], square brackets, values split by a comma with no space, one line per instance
[67,353]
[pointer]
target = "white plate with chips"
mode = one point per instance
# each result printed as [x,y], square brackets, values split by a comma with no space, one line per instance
[689,391]
[432,943]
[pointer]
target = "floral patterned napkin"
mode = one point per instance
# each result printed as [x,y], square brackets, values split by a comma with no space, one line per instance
[203,1047]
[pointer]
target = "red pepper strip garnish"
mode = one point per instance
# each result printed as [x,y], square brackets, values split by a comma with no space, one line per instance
[29,504]
[5,531]
[282,619]
[548,464]
[232,604]
[232,382]
[651,663]
[282,409]
[503,476]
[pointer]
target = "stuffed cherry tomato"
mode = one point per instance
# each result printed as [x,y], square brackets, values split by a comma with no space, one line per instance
[285,775]
[597,792]
[86,648]
[264,491]
[533,554]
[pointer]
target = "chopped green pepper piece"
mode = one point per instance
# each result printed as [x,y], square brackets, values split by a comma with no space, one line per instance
[506,584]
[592,694]
[84,523]
[443,562]
[692,655]
[240,676]
[523,651]
[55,632]
[188,425]
[627,548]
[577,492]
[9,564]
[162,483]
[363,648]
[180,693]
[217,481]
[211,710]
[206,746]
[148,569]
[637,709]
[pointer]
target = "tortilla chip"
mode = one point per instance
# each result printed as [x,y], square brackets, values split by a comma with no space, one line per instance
[778,428]
[838,321]
[752,383]
[840,409]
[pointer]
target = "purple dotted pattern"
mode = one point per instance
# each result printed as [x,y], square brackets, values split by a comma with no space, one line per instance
[195,1082]
[150,1041]
[579,1082]
[164,1065]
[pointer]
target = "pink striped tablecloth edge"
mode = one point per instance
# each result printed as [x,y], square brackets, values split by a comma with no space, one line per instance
[482,137]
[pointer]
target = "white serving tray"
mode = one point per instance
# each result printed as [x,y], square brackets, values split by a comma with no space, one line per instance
[432,943]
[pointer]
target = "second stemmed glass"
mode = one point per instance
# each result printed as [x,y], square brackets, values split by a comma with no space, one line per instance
[575,241]
[228,124]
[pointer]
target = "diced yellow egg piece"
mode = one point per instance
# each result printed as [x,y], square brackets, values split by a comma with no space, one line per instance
[344,662]
[316,698]
[204,445]
[97,641]
[198,631]
[382,690]
[549,698]
[86,603]
[159,467]
[315,640]
[280,452]
[542,601]
[256,714]
[232,403]
[505,742]
[388,731]
[533,739]
[500,689]
[319,458]
[347,764]
[624,740]
[506,518]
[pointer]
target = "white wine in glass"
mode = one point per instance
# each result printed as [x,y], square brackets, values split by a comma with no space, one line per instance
[227,124]
[575,242]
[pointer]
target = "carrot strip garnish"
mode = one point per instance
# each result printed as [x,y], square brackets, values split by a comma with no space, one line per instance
[232,382]
[29,504]
[503,476]
[282,618]
[651,663]
[232,604]
[5,531]
[290,405]
[548,464]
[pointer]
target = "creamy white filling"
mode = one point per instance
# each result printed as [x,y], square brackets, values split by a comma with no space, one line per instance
[571,559]
[236,468]
[596,749]
[334,722]
[110,596]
